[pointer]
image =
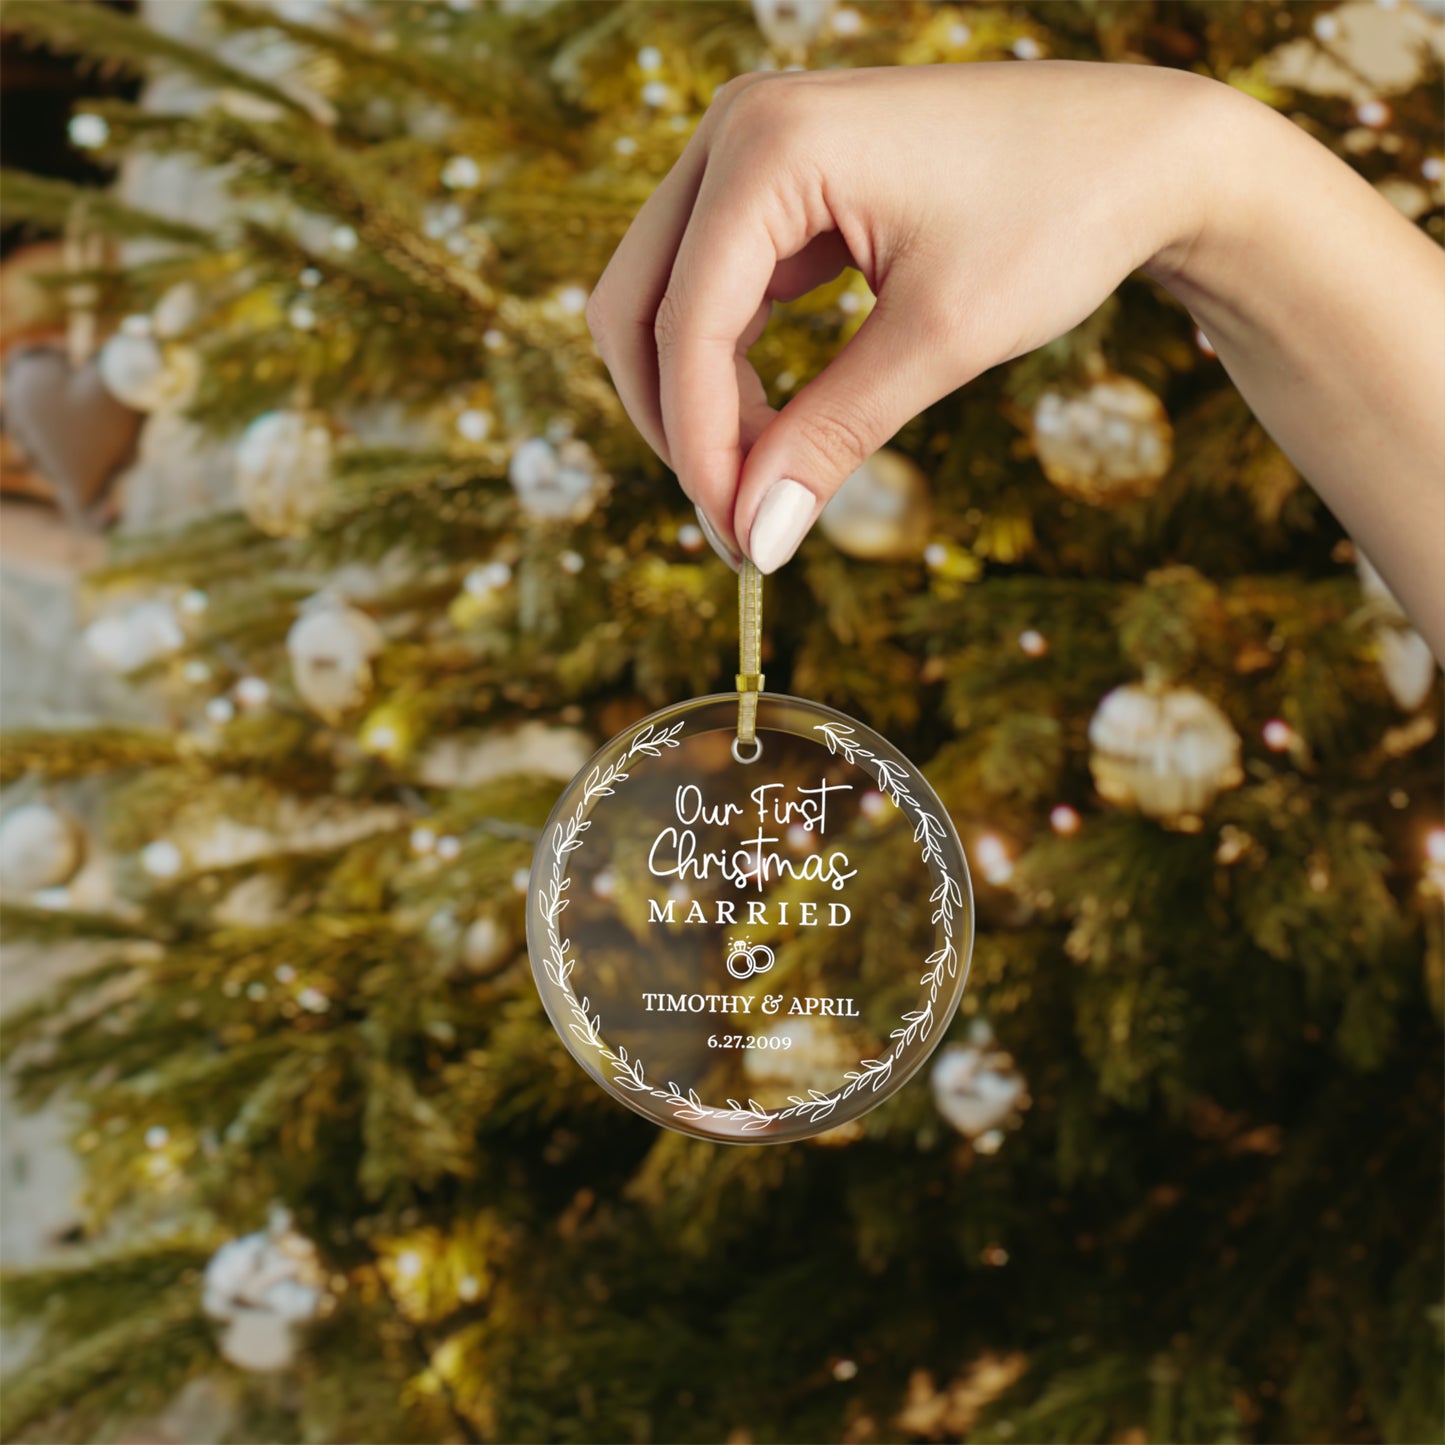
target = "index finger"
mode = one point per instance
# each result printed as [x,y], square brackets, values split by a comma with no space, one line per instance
[718,288]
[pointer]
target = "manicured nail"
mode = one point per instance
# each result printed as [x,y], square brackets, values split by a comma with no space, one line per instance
[716,542]
[782,522]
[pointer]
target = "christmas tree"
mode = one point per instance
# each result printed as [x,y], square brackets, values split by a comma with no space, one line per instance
[1177,1173]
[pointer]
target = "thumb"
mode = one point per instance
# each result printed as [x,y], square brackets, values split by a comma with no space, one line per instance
[899,362]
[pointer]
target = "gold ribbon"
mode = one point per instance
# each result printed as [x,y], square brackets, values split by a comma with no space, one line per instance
[750,660]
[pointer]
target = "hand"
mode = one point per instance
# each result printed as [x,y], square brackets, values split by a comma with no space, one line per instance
[989,208]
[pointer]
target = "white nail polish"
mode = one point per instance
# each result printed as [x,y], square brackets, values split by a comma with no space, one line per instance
[781,524]
[716,542]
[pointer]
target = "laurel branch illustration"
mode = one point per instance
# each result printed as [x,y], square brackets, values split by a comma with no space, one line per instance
[748,1115]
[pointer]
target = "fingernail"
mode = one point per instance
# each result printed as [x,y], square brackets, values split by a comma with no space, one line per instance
[781,523]
[716,542]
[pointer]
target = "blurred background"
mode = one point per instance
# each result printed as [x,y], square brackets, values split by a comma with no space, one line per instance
[328,555]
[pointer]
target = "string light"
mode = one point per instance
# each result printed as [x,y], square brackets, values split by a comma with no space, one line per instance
[449,849]
[474,425]
[1373,113]
[252,692]
[490,577]
[380,738]
[1064,820]
[423,840]
[873,805]
[1278,735]
[689,537]
[408,1264]
[1033,642]
[461,173]
[87,131]
[313,1000]
[1435,859]
[161,859]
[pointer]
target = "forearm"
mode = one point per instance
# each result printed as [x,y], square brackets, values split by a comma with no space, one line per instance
[1327,308]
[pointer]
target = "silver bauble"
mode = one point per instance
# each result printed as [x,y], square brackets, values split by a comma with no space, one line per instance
[486,945]
[148,374]
[1109,443]
[882,512]
[554,483]
[331,647]
[1166,751]
[976,1086]
[792,25]
[261,1287]
[816,1057]
[283,470]
[141,634]
[1405,658]
[40,847]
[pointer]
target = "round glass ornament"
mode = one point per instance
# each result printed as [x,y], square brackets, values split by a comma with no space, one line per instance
[750,943]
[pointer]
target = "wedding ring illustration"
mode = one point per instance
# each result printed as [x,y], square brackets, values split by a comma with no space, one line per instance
[744,959]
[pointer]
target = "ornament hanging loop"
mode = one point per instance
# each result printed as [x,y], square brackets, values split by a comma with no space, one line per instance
[746,746]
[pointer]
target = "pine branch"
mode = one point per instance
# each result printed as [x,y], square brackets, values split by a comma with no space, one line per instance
[53,204]
[83,752]
[521,110]
[115,41]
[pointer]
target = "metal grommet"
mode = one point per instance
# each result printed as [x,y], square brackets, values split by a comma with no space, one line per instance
[756,754]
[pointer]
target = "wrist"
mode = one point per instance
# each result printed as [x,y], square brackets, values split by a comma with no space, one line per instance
[1217,143]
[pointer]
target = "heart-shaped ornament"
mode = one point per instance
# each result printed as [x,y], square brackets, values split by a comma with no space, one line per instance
[77,435]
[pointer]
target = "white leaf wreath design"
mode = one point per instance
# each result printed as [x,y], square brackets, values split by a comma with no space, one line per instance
[749,1116]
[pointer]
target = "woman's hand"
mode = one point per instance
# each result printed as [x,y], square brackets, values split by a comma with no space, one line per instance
[990,208]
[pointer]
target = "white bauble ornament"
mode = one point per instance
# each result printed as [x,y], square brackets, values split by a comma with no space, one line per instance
[143,633]
[882,512]
[1166,751]
[258,1341]
[554,482]
[283,470]
[331,647]
[40,847]
[1406,661]
[1110,443]
[176,312]
[148,374]
[976,1087]
[487,945]
[797,1055]
[261,1287]
[792,25]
